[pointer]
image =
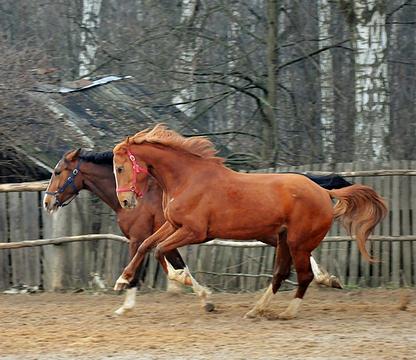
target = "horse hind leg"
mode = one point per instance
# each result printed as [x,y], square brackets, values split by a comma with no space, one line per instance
[184,277]
[305,275]
[282,264]
[323,277]
[176,262]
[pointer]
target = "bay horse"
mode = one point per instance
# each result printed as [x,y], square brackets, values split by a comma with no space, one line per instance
[78,170]
[203,199]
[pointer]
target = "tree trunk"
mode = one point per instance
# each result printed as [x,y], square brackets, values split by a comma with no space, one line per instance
[326,82]
[371,86]
[90,23]
[270,128]
[232,45]
[185,63]
[140,15]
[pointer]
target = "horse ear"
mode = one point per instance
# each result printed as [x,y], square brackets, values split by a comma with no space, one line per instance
[73,155]
[127,141]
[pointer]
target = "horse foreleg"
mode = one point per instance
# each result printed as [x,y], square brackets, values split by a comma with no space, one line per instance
[180,238]
[130,299]
[164,231]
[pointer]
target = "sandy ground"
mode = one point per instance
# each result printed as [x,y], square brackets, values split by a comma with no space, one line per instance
[332,324]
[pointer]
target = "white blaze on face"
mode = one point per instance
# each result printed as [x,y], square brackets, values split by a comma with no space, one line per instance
[46,197]
[115,173]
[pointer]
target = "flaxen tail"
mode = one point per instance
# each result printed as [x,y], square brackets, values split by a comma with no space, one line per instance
[360,209]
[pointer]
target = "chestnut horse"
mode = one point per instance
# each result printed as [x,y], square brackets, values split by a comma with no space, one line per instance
[203,199]
[79,170]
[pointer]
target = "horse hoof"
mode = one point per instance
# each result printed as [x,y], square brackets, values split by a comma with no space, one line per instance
[119,287]
[174,288]
[286,316]
[335,283]
[252,314]
[120,311]
[209,307]
[121,284]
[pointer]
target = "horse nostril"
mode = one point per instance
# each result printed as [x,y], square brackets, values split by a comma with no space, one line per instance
[125,203]
[46,204]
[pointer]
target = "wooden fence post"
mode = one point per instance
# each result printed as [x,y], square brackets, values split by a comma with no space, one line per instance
[78,252]
[4,234]
[24,224]
[54,269]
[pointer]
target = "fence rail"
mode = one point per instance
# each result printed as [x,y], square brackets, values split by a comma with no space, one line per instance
[216,242]
[61,240]
[25,186]
[221,264]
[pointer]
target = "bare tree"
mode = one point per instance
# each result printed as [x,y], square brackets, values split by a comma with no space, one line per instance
[89,43]
[185,63]
[326,80]
[371,86]
[233,34]
[270,129]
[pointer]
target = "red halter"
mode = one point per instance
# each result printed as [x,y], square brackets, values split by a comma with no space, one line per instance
[137,169]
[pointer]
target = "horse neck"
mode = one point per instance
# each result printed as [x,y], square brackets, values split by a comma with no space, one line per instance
[168,166]
[99,179]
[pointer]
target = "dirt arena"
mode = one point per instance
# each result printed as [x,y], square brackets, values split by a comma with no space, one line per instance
[332,324]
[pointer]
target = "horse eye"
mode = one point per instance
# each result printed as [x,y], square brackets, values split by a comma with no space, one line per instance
[57,173]
[119,170]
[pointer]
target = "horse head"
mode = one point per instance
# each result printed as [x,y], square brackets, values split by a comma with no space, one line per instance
[131,175]
[65,182]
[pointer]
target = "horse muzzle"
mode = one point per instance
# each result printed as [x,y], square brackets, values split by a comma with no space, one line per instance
[50,204]
[128,202]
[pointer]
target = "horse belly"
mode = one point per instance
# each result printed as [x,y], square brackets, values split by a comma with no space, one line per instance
[244,225]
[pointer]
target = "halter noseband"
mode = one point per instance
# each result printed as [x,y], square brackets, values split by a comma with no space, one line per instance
[137,169]
[68,182]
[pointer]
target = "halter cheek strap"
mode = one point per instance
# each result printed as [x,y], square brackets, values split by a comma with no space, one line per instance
[137,169]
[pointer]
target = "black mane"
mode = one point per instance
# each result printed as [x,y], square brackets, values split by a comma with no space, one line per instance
[101,158]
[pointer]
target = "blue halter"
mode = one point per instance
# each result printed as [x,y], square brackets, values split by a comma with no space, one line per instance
[68,182]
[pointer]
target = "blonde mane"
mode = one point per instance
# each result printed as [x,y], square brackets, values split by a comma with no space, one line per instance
[196,145]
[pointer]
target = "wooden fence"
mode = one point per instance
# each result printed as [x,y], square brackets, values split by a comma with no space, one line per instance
[228,268]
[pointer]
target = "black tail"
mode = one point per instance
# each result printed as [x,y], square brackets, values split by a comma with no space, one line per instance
[329,182]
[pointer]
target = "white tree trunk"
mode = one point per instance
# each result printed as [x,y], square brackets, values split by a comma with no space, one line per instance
[139,11]
[371,86]
[327,82]
[185,63]
[232,39]
[90,23]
